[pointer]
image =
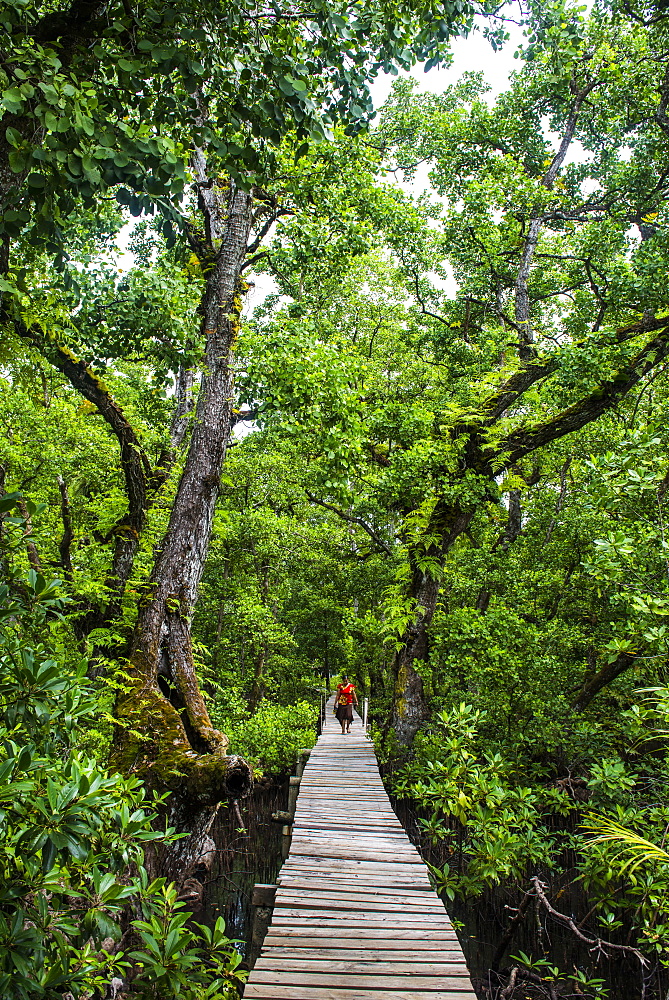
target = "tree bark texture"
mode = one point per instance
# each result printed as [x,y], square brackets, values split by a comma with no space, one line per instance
[410,709]
[164,731]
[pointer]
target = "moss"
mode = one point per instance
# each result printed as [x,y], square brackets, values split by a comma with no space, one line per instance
[125,529]
[152,743]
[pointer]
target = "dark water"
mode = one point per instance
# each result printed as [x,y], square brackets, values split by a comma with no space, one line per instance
[485,920]
[245,858]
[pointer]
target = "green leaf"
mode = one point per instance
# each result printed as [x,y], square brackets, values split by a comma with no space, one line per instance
[12,100]
[17,161]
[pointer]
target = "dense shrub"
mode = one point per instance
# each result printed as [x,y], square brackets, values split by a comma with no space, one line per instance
[73,836]
[272,737]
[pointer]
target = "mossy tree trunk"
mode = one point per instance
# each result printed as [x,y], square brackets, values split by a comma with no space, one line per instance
[410,708]
[165,733]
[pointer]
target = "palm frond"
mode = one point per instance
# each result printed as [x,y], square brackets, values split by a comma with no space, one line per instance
[636,848]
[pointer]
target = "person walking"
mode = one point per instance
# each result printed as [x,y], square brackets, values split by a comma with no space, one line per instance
[345,699]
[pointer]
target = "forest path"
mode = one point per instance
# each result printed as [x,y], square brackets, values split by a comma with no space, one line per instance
[355,917]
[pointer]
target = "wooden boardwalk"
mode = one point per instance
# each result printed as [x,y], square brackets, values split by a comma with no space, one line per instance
[355,917]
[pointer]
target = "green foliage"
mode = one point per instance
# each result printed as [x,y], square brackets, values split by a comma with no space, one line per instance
[416,468]
[552,976]
[90,106]
[634,850]
[197,964]
[271,738]
[501,823]
[74,835]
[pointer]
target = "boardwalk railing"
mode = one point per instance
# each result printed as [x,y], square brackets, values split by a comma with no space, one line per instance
[355,917]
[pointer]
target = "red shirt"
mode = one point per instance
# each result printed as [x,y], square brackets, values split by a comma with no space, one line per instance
[345,691]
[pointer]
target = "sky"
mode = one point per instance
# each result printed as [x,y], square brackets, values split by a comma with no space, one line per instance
[473,54]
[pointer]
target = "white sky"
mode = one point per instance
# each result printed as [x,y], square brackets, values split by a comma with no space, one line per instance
[473,54]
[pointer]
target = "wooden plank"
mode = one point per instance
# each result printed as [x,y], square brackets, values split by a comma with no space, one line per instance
[303,849]
[414,874]
[395,880]
[267,991]
[327,965]
[374,887]
[359,892]
[358,865]
[368,841]
[347,937]
[343,918]
[389,904]
[354,981]
[372,840]
[356,917]
[365,951]
[366,825]
[376,828]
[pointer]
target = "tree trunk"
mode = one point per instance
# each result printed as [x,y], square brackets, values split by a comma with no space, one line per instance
[164,732]
[410,708]
[594,683]
[258,684]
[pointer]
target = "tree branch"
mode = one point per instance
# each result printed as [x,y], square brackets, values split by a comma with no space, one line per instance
[596,944]
[421,303]
[523,441]
[255,258]
[137,470]
[522,295]
[264,229]
[534,371]
[352,520]
[593,684]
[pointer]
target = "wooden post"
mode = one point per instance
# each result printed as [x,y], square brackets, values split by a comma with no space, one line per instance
[302,758]
[262,902]
[285,841]
[293,789]
[365,707]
